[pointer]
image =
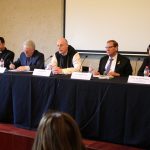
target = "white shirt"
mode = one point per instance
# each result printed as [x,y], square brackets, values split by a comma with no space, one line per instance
[76,61]
[113,64]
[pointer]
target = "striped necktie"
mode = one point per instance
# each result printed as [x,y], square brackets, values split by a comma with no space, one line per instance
[108,66]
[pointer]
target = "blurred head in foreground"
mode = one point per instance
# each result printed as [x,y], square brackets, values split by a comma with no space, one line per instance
[58,131]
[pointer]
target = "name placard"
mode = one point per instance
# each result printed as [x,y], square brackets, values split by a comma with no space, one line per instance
[81,75]
[2,69]
[139,80]
[41,72]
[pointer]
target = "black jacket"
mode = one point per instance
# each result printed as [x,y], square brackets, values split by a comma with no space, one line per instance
[146,62]
[123,66]
[7,56]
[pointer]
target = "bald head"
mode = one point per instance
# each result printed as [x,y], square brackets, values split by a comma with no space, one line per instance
[62,45]
[63,40]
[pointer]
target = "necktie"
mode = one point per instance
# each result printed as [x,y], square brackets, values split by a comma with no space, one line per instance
[108,66]
[28,61]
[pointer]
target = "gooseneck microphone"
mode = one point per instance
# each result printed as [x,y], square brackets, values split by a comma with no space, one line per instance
[48,58]
[47,66]
[83,61]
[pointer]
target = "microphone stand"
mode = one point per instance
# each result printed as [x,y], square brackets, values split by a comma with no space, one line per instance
[48,58]
[46,66]
[83,62]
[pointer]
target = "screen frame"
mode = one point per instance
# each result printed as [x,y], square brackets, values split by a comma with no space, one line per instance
[98,52]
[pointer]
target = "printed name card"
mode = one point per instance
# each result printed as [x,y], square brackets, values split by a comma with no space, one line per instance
[41,72]
[2,69]
[81,75]
[139,80]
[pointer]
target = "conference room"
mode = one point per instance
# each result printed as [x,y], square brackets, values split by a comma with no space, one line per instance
[112,110]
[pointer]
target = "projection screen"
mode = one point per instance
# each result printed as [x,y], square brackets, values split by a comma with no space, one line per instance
[90,23]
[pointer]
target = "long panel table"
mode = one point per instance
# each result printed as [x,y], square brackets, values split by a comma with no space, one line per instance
[109,110]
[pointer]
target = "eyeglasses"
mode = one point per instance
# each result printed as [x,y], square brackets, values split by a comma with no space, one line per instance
[109,47]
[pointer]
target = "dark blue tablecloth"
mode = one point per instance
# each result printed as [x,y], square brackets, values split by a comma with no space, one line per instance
[108,110]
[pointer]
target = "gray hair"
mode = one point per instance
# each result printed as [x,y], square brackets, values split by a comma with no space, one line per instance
[63,39]
[29,43]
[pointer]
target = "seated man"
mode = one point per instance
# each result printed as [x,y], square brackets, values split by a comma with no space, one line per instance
[66,60]
[6,55]
[29,58]
[145,63]
[114,64]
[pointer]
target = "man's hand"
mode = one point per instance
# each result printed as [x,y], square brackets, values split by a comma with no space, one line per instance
[114,74]
[11,66]
[22,68]
[57,70]
[95,72]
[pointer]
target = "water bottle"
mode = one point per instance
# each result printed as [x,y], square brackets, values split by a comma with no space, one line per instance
[90,68]
[2,63]
[146,71]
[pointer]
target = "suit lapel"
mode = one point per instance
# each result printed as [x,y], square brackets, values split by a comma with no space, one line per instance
[117,62]
[31,60]
[24,60]
[104,64]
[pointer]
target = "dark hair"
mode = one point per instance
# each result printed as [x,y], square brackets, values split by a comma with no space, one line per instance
[148,49]
[58,131]
[2,40]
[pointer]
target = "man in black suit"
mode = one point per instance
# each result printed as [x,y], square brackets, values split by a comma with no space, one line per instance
[29,58]
[145,63]
[114,64]
[6,56]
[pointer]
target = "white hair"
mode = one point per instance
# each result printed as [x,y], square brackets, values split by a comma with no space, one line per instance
[29,43]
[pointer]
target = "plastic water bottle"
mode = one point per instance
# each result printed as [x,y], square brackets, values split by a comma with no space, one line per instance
[2,63]
[90,68]
[146,71]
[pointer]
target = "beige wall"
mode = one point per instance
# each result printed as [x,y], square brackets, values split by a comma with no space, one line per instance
[39,20]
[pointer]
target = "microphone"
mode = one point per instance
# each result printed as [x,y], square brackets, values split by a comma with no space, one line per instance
[83,62]
[47,66]
[135,70]
[48,58]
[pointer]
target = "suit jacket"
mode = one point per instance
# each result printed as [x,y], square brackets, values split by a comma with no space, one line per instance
[145,63]
[36,61]
[123,66]
[7,56]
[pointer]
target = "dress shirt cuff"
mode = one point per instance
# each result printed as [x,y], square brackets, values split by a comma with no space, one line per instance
[65,71]
[69,70]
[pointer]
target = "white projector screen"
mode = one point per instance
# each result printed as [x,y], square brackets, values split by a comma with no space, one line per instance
[90,23]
